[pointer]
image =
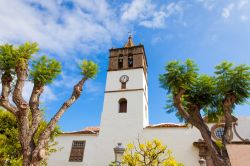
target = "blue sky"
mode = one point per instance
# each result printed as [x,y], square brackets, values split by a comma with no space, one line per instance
[206,31]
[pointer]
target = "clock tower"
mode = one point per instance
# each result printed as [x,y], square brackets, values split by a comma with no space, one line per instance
[125,108]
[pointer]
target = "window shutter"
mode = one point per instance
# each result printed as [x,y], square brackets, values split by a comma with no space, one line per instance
[77,151]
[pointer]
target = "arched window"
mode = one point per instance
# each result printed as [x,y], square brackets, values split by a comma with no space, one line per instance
[217,131]
[122,105]
[120,61]
[130,60]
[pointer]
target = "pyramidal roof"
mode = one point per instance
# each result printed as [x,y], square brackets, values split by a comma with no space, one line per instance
[130,42]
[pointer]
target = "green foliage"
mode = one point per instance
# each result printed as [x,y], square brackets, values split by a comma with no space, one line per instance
[44,70]
[11,56]
[202,91]
[7,57]
[206,92]
[149,154]
[10,151]
[178,75]
[26,50]
[233,81]
[89,68]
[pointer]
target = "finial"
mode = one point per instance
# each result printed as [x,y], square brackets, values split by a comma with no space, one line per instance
[129,34]
[130,42]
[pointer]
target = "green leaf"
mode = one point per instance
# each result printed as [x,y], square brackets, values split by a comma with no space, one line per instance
[89,68]
[44,70]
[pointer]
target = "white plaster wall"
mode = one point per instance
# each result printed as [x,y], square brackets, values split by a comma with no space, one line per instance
[136,79]
[243,127]
[135,118]
[119,127]
[179,140]
[99,149]
[61,157]
[113,122]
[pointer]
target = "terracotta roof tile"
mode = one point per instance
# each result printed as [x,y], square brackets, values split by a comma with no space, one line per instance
[87,130]
[164,125]
[92,128]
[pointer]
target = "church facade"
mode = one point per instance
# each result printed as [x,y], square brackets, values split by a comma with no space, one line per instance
[125,119]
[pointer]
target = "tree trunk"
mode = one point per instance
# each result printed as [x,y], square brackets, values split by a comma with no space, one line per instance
[214,151]
[193,117]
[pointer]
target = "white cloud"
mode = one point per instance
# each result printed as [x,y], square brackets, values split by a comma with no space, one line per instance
[83,26]
[47,95]
[148,14]
[66,80]
[86,29]
[136,9]
[208,4]
[242,3]
[28,86]
[227,11]
[243,18]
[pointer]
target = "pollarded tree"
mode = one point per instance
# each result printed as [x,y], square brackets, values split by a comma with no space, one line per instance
[193,94]
[10,151]
[16,68]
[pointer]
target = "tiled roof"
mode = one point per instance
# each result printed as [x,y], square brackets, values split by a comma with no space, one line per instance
[92,128]
[164,125]
[87,130]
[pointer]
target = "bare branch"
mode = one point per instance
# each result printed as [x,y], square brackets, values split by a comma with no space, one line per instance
[178,104]
[34,107]
[17,94]
[44,137]
[6,89]
[23,110]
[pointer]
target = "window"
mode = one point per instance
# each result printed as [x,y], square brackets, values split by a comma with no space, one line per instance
[122,105]
[130,60]
[77,151]
[120,61]
[218,132]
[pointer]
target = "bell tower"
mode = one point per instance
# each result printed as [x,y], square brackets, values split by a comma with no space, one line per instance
[128,57]
[126,93]
[125,106]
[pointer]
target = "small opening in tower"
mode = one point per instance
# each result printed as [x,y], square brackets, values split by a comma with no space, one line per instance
[120,61]
[122,105]
[130,60]
[123,85]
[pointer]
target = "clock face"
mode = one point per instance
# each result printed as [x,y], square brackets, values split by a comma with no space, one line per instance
[124,78]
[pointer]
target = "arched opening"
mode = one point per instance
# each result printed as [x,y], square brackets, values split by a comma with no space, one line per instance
[130,60]
[120,61]
[122,105]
